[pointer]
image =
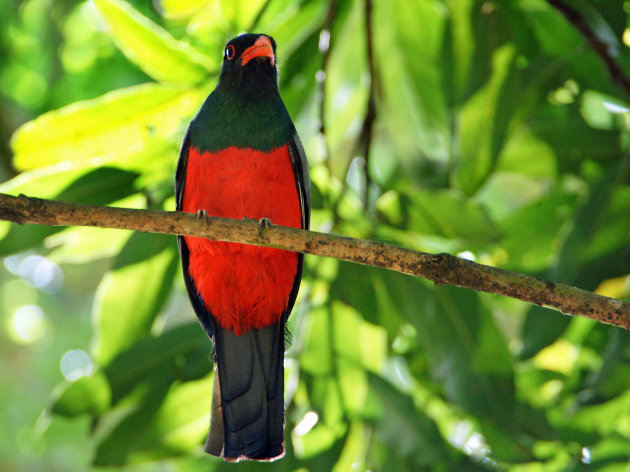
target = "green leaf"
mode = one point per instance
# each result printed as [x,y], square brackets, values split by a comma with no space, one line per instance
[80,245]
[554,34]
[316,357]
[525,153]
[445,213]
[91,395]
[180,9]
[355,449]
[241,13]
[182,352]
[564,129]
[151,47]
[132,294]
[123,430]
[614,228]
[182,421]
[602,111]
[98,186]
[538,331]
[463,44]
[540,221]
[408,430]
[115,126]
[483,124]
[466,353]
[346,91]
[407,42]
[505,193]
[145,421]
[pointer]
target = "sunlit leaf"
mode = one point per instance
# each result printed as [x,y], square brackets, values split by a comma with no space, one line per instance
[316,357]
[114,126]
[152,48]
[527,154]
[180,9]
[90,394]
[602,111]
[241,13]
[183,419]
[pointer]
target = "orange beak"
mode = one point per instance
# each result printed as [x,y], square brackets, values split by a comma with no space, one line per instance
[261,48]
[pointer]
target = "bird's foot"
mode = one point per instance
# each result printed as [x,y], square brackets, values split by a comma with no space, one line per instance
[202,214]
[263,224]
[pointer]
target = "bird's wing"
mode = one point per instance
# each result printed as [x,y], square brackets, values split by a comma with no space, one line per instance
[303,184]
[302,177]
[205,317]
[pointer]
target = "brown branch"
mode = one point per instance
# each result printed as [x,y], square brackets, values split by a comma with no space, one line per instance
[442,269]
[601,48]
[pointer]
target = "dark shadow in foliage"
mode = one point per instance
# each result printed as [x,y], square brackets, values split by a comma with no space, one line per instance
[540,329]
[140,379]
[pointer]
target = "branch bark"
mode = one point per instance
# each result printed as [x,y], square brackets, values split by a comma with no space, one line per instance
[442,269]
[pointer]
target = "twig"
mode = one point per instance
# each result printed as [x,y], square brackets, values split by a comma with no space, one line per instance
[601,48]
[363,143]
[327,27]
[440,268]
[365,139]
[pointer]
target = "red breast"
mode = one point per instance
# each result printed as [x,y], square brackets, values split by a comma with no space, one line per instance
[243,286]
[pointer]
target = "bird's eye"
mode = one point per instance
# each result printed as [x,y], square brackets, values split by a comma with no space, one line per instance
[229,52]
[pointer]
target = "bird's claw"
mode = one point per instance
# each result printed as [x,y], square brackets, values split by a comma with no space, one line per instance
[263,223]
[202,214]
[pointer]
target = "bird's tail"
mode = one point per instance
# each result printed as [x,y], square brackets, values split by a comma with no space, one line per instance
[247,418]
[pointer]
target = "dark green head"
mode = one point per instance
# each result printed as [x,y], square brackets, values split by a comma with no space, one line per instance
[245,109]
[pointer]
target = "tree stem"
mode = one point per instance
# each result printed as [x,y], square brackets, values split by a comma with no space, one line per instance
[442,269]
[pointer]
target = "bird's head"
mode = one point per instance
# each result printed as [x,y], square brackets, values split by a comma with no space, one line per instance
[249,65]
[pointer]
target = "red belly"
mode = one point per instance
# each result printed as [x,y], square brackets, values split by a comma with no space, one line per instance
[243,286]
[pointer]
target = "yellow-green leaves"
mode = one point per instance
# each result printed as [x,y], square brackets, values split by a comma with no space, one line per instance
[114,126]
[180,9]
[241,13]
[151,48]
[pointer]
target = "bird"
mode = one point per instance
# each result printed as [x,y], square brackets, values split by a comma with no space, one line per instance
[242,157]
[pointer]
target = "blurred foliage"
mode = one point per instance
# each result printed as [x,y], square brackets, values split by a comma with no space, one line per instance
[487,129]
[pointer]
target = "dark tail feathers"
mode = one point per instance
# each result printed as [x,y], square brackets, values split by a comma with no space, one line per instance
[247,418]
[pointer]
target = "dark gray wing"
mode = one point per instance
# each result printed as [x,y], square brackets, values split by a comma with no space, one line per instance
[303,184]
[302,177]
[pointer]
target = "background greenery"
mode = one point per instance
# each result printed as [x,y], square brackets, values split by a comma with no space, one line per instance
[489,129]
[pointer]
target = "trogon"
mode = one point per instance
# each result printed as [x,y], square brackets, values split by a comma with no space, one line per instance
[242,157]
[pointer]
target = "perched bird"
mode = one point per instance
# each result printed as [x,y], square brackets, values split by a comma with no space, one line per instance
[242,157]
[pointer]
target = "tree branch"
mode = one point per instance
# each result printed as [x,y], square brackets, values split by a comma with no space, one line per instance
[442,269]
[574,16]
